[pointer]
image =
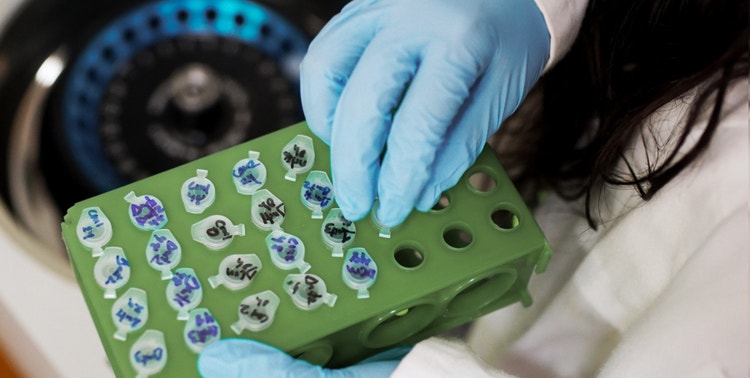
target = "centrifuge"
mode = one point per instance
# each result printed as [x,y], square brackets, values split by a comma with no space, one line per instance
[94,95]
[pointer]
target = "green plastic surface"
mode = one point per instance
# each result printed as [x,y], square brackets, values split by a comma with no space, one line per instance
[472,254]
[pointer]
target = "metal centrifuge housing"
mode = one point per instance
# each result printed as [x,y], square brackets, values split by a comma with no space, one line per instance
[94,95]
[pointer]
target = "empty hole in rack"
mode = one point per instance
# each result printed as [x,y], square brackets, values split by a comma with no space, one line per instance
[318,353]
[398,325]
[442,203]
[457,237]
[409,257]
[479,292]
[504,219]
[482,182]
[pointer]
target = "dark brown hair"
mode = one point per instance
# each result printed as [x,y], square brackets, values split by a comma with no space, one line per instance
[630,58]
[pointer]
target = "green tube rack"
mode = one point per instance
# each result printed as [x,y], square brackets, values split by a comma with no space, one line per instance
[473,253]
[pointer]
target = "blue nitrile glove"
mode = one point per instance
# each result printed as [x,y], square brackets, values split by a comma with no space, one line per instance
[467,65]
[246,358]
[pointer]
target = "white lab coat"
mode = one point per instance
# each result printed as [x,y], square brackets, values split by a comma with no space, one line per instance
[659,290]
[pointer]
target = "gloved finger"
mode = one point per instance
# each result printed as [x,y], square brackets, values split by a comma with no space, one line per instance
[380,365]
[248,358]
[420,126]
[331,58]
[495,96]
[472,128]
[362,122]
[380,369]
[396,353]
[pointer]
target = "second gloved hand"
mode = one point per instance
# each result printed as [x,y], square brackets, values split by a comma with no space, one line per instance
[467,66]
[248,358]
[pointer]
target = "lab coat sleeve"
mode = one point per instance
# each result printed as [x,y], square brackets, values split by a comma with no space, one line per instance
[437,358]
[698,327]
[563,19]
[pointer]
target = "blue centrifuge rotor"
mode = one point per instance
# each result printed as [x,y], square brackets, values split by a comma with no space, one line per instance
[104,97]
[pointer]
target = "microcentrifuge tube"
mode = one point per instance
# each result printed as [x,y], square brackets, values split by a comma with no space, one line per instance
[249,174]
[198,193]
[317,193]
[94,230]
[236,271]
[130,312]
[337,232]
[216,231]
[383,230]
[287,251]
[308,291]
[184,292]
[268,211]
[148,355]
[298,156]
[256,312]
[112,271]
[201,329]
[146,212]
[359,271]
[163,252]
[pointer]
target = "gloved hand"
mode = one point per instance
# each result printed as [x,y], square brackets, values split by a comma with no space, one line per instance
[467,65]
[247,358]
